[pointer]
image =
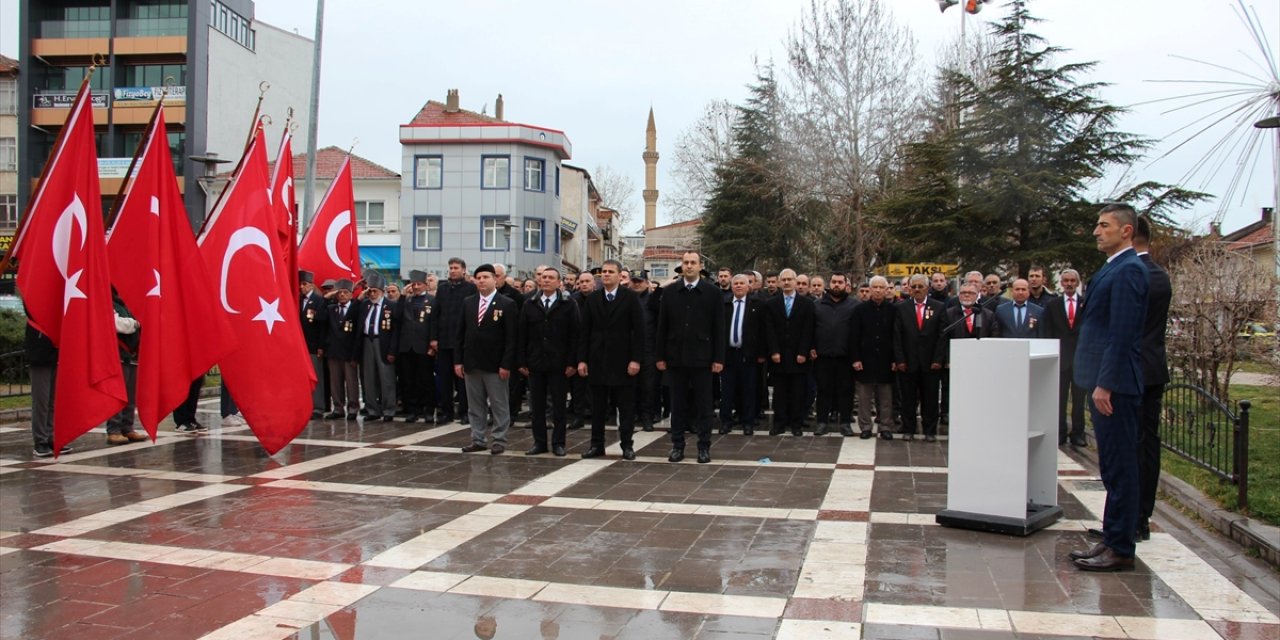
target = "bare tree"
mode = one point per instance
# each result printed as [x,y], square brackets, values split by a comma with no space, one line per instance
[1217,293]
[850,101]
[705,145]
[617,191]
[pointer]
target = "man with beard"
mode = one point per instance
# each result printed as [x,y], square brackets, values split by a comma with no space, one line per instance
[833,368]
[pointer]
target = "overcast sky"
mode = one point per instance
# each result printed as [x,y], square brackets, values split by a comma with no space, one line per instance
[593,68]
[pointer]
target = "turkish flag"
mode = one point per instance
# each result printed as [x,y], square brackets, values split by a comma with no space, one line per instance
[269,372]
[285,211]
[64,282]
[331,249]
[159,274]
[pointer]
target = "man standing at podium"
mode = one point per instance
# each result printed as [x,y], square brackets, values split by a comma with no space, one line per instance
[1109,362]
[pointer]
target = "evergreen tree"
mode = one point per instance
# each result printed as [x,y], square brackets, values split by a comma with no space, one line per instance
[742,224]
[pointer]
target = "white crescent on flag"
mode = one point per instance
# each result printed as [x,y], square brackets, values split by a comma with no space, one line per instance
[73,214]
[340,222]
[244,237]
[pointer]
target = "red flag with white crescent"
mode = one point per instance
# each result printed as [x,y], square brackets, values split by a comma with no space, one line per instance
[269,372]
[159,274]
[285,210]
[331,248]
[64,281]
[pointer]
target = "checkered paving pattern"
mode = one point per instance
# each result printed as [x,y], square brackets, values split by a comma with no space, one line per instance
[385,530]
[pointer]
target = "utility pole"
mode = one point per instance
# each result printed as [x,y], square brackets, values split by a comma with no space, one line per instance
[313,117]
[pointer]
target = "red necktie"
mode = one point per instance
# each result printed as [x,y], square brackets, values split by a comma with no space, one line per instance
[484,306]
[1071,312]
[968,319]
[920,316]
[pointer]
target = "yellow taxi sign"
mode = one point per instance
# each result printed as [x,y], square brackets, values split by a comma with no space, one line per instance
[901,269]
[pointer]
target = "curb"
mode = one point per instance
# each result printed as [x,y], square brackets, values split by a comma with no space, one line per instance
[1251,534]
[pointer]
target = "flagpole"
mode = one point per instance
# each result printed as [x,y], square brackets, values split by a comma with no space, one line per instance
[236,171]
[6,262]
[127,184]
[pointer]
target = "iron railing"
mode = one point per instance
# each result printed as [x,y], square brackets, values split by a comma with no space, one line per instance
[1200,428]
[15,377]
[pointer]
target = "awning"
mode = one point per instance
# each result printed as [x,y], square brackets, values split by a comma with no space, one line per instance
[384,259]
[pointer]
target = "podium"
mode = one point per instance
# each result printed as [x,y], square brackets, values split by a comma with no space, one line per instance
[1002,472]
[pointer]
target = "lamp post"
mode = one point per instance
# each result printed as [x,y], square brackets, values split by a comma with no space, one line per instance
[1274,123]
[507,225]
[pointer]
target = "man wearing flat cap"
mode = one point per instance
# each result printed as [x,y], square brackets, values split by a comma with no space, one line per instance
[486,355]
[312,316]
[342,350]
[378,333]
[416,318]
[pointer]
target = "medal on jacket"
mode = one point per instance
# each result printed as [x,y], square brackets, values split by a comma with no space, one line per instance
[386,319]
[346,326]
[497,314]
[928,313]
[311,314]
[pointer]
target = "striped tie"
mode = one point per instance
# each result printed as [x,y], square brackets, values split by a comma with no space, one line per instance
[484,306]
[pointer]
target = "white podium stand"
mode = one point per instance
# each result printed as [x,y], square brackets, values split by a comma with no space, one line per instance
[1002,473]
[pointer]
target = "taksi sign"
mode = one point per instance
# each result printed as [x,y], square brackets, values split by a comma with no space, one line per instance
[922,268]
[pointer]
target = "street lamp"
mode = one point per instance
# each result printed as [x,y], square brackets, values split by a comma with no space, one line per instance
[1274,123]
[507,225]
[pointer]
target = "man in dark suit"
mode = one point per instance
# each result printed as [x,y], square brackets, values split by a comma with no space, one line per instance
[648,388]
[918,356]
[609,356]
[739,404]
[1062,321]
[378,353]
[1155,375]
[833,370]
[416,324]
[1017,317]
[989,296]
[690,348]
[1040,295]
[547,354]
[311,315]
[871,349]
[1109,361]
[789,319]
[486,356]
[449,296]
[342,353]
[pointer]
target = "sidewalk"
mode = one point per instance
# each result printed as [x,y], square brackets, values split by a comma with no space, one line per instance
[384,530]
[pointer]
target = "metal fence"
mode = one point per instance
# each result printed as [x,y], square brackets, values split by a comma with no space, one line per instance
[1199,427]
[15,378]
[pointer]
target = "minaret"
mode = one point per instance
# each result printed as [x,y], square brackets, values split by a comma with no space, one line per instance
[650,174]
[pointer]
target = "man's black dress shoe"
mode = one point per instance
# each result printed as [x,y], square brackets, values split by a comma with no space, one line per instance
[352,416]
[865,435]
[704,456]
[776,431]
[797,431]
[748,431]
[388,418]
[676,455]
[647,426]
[472,448]
[931,438]
[593,452]
[1108,560]
[536,450]
[333,415]
[558,450]
[316,415]
[1094,533]
[1091,552]
[413,417]
[628,453]
[1079,442]
[885,435]
[497,449]
[725,429]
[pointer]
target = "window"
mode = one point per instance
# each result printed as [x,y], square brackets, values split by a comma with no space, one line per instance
[369,215]
[8,96]
[496,172]
[557,184]
[534,169]
[428,172]
[533,235]
[426,233]
[8,154]
[9,211]
[154,75]
[557,233]
[494,236]
[658,272]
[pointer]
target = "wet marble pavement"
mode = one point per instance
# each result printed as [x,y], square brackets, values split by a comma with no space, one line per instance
[386,530]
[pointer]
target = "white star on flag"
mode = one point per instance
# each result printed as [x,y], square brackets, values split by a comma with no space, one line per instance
[270,313]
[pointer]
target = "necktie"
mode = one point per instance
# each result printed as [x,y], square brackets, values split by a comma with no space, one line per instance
[737,323]
[484,306]
[546,304]
[1071,311]
[920,316]
[1019,312]
[968,319]
[372,329]
[342,310]
[689,287]
[608,297]
[788,301]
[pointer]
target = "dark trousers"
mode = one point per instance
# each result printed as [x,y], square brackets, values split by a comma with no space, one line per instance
[789,399]
[738,401]
[449,386]
[604,398]
[1149,451]
[920,390]
[648,402]
[580,402]
[517,384]
[541,385]
[835,389]
[227,404]
[43,380]
[122,422]
[185,413]
[1066,386]
[418,378]
[690,404]
[1117,436]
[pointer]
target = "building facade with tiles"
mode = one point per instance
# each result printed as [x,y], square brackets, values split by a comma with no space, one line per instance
[480,188]
[216,53]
